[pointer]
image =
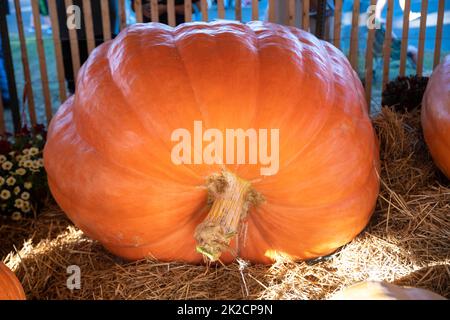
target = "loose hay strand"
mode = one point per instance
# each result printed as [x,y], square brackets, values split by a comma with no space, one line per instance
[407,243]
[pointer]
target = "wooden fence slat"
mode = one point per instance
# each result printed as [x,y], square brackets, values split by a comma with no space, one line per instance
[171,13]
[238,10]
[255,10]
[369,62]
[405,31]
[138,11]
[305,16]
[74,48]
[423,26]
[220,9]
[272,15]
[188,10]
[437,45]
[25,63]
[42,61]
[88,25]
[58,50]
[353,55]
[291,12]
[122,15]
[204,5]
[337,23]
[106,21]
[154,8]
[387,42]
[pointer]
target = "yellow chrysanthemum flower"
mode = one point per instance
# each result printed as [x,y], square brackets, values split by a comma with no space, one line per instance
[26,207]
[33,151]
[11,181]
[25,151]
[18,203]
[5,194]
[2,181]
[40,162]
[16,216]
[28,164]
[2,158]
[35,165]
[16,190]
[21,171]
[25,195]
[28,185]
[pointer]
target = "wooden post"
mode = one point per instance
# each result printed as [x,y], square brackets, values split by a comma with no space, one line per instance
[154,10]
[337,24]
[89,25]
[369,62]
[387,42]
[26,67]
[220,9]
[204,5]
[255,10]
[238,10]
[305,16]
[106,20]
[188,10]
[171,13]
[423,27]
[404,48]
[14,103]
[74,46]
[272,12]
[353,56]
[58,50]
[437,45]
[291,12]
[138,11]
[122,15]
[42,61]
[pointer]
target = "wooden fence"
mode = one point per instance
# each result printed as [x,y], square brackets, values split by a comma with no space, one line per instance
[298,13]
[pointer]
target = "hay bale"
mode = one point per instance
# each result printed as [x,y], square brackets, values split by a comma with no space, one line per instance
[406,243]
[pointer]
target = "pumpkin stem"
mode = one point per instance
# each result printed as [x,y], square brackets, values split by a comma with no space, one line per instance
[231,198]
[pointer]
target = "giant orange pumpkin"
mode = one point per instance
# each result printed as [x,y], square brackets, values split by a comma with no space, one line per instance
[436,116]
[110,148]
[10,286]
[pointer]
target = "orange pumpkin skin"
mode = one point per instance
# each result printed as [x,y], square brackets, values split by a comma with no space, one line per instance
[436,116]
[108,154]
[10,286]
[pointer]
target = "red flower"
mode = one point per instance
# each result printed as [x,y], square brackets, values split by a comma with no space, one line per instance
[5,146]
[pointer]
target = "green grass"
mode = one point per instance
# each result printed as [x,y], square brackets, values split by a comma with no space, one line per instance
[36,83]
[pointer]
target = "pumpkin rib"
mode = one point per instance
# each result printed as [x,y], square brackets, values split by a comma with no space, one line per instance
[194,94]
[117,89]
[306,60]
[318,130]
[286,226]
[89,229]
